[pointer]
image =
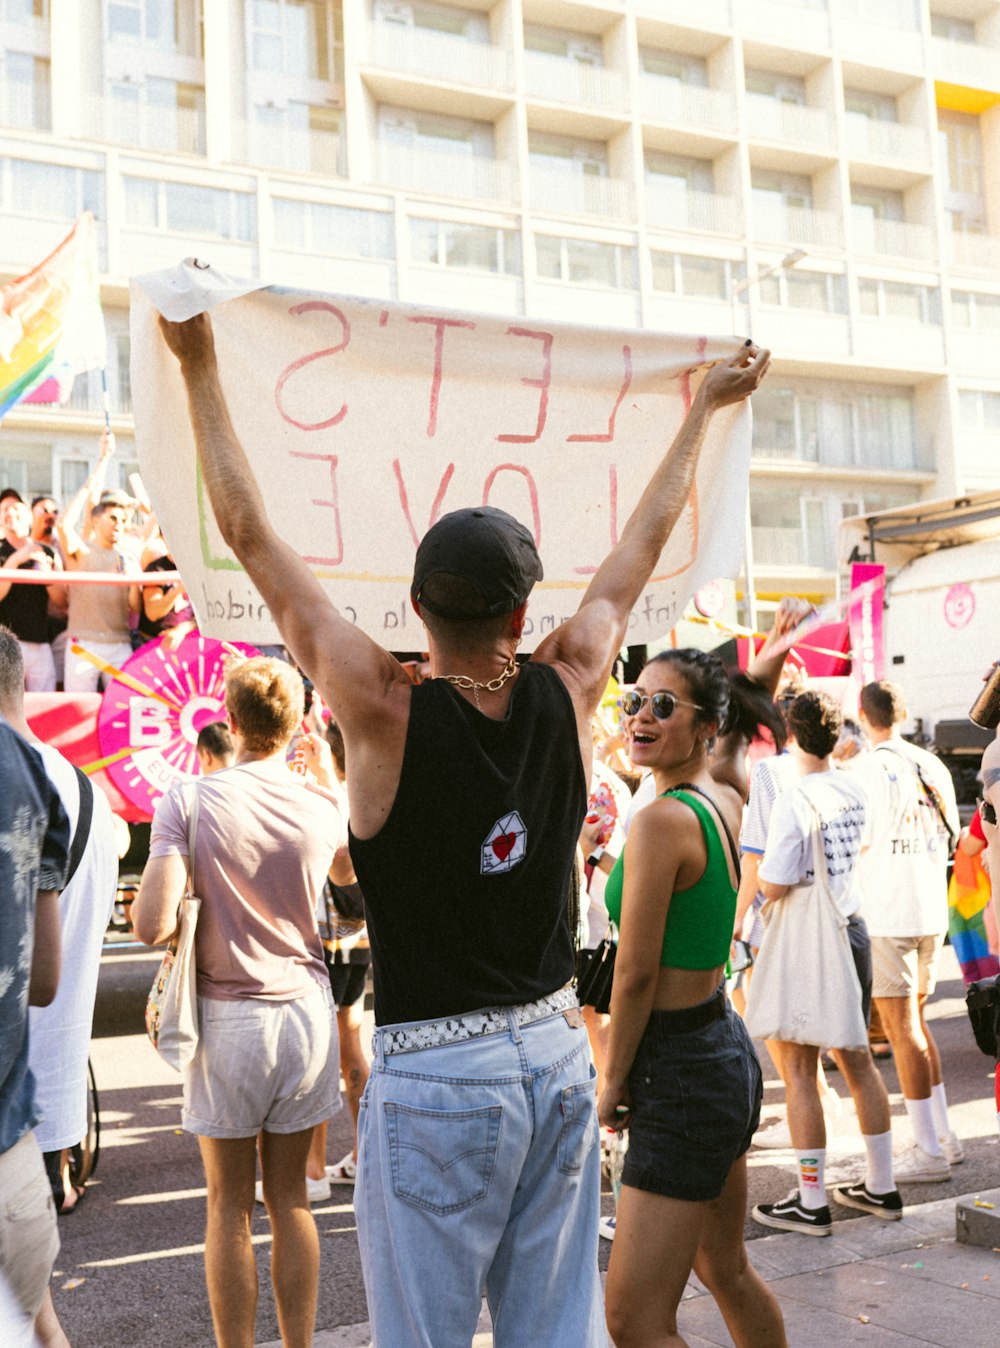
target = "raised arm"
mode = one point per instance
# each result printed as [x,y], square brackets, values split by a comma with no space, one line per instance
[73,525]
[352,671]
[766,665]
[585,646]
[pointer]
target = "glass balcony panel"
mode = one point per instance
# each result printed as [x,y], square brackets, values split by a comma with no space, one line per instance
[869,138]
[572,193]
[299,143]
[440,171]
[778,547]
[440,56]
[670,101]
[770,119]
[704,212]
[774,221]
[25,92]
[170,118]
[565,81]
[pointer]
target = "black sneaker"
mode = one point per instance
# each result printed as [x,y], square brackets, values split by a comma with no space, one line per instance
[790,1215]
[887,1206]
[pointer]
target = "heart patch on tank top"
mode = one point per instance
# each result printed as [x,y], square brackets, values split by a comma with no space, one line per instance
[504,846]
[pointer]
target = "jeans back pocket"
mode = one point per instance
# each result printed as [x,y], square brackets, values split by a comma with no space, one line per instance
[442,1159]
[579,1126]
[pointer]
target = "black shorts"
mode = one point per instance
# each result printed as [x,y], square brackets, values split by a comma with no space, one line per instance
[347,983]
[696,1098]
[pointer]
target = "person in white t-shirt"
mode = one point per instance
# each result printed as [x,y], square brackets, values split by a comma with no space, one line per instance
[59,1034]
[824,798]
[903,875]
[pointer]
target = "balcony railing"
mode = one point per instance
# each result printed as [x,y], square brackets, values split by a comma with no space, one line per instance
[893,238]
[296,150]
[564,81]
[581,194]
[770,119]
[979,252]
[797,224]
[887,140]
[669,101]
[704,212]
[789,547]
[443,173]
[178,130]
[965,63]
[25,107]
[778,18]
[440,56]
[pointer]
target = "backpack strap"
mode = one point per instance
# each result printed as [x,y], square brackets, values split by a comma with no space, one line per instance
[81,834]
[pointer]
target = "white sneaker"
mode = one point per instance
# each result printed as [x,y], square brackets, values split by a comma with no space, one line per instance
[607,1228]
[954,1152]
[317,1190]
[916,1166]
[774,1136]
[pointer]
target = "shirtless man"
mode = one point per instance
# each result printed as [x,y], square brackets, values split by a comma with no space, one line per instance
[465,872]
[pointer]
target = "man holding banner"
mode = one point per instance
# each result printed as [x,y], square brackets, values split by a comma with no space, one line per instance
[478,1156]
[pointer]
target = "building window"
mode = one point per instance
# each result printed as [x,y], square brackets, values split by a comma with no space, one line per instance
[566,46]
[345,231]
[969,309]
[952,29]
[675,66]
[678,173]
[26,13]
[778,88]
[563,154]
[447,20]
[871,106]
[869,204]
[817,291]
[961,145]
[694,277]
[295,38]
[182,208]
[164,25]
[446,243]
[584,262]
[50,191]
[899,300]
[773,190]
[979,409]
[839,426]
[25,92]
[158,113]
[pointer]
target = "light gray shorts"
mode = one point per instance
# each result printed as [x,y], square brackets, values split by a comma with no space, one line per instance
[29,1241]
[904,965]
[261,1064]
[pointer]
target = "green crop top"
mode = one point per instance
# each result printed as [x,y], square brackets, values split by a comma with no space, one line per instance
[700,920]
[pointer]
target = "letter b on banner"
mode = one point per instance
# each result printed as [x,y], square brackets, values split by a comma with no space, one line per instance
[148,723]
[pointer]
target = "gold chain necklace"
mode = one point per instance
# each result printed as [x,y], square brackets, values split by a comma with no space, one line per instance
[493,686]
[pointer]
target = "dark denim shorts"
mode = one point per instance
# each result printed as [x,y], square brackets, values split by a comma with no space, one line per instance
[696,1097]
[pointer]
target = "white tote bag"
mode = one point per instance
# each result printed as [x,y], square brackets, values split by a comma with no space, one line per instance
[805,988]
[172,1004]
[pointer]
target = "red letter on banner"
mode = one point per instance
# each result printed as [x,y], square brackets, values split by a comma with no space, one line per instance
[541,384]
[606,437]
[299,364]
[333,504]
[439,325]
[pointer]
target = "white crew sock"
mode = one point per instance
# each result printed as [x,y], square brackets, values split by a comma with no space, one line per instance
[878,1148]
[939,1104]
[921,1114]
[812,1177]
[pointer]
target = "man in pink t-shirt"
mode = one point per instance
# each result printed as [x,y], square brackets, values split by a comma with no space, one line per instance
[267,1060]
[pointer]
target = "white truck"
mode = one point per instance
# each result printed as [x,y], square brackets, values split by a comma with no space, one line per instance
[942,615]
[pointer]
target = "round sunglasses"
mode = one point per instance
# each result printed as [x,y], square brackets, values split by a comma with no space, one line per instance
[660,704]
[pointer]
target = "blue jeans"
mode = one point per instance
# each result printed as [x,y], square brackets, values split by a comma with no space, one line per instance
[478,1167]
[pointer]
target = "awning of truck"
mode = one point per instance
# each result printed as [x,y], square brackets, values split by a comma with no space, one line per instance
[894,537]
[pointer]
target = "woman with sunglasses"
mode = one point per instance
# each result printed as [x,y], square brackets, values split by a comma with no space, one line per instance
[682,1073]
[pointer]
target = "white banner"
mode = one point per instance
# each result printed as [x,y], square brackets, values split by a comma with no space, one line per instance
[364,421]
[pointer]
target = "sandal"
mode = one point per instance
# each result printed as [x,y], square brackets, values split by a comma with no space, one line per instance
[71,1200]
[344,1172]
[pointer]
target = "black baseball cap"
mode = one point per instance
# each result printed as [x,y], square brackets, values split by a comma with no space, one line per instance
[486,547]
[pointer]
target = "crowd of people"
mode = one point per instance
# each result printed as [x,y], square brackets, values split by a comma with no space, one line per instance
[449,837]
[102,530]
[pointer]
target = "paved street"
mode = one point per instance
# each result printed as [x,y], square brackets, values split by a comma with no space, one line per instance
[130,1270]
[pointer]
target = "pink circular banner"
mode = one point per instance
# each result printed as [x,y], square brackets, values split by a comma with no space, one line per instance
[959,605]
[150,716]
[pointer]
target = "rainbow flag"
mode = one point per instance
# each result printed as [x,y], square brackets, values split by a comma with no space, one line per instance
[51,324]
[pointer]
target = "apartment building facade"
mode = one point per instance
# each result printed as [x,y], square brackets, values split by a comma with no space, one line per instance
[821,174]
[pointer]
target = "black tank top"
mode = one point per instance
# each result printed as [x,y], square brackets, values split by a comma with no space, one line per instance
[466,883]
